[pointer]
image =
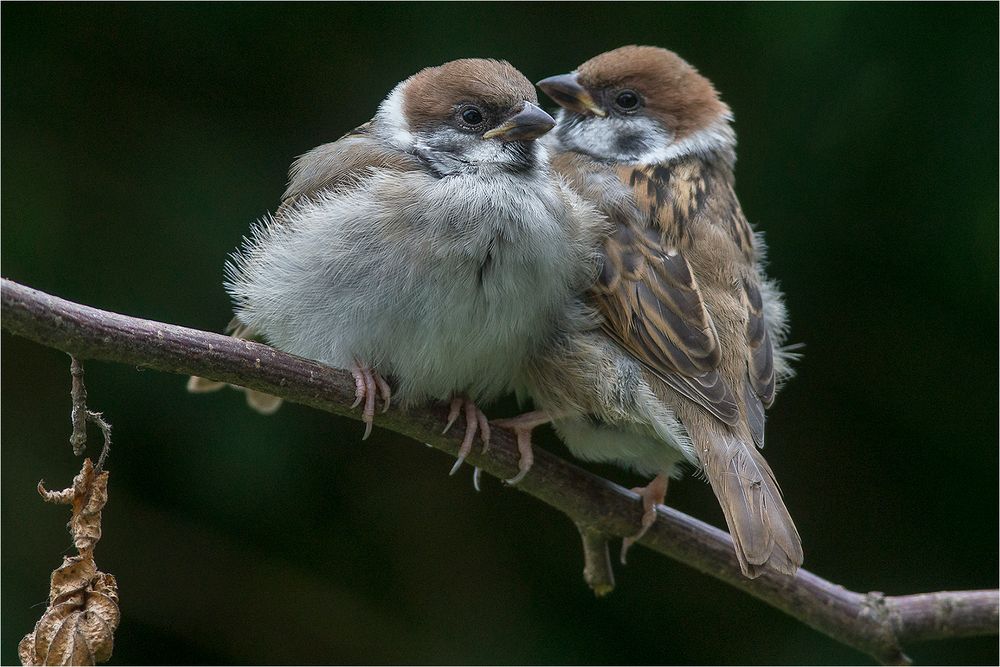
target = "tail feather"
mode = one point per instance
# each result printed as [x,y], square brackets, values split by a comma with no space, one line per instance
[197,385]
[762,529]
[265,404]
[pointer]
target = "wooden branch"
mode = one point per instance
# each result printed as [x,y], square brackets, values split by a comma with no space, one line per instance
[873,623]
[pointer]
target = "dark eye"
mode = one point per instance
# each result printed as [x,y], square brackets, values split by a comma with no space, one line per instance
[472,116]
[627,101]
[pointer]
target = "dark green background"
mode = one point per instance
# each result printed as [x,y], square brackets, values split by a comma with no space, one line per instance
[140,141]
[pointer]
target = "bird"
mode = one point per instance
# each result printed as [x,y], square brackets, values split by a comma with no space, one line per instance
[432,246]
[686,353]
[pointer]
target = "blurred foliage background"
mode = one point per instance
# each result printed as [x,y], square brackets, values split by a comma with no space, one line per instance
[139,142]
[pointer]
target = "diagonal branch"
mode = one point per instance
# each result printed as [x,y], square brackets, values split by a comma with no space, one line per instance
[876,624]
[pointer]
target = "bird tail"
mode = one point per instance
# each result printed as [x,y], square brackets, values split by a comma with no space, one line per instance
[265,404]
[762,530]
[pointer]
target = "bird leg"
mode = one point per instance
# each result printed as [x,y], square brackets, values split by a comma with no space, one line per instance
[523,425]
[475,421]
[367,384]
[652,495]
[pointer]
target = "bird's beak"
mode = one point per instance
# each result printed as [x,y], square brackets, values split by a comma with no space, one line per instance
[566,90]
[527,124]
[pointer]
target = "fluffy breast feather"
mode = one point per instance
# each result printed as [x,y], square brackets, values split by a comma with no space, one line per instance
[445,284]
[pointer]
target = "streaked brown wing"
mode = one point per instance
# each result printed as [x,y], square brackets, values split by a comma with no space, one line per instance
[648,295]
[760,362]
[653,307]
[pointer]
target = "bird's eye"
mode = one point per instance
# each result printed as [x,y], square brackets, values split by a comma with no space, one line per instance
[472,116]
[627,100]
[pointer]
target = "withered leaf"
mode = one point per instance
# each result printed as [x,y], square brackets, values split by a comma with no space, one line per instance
[78,626]
[88,496]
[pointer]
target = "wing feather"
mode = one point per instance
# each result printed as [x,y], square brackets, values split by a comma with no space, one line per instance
[340,164]
[760,362]
[647,293]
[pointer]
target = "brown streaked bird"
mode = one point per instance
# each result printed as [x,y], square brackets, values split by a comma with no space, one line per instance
[433,245]
[686,356]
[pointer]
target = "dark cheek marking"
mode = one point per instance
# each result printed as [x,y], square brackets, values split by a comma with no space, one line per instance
[630,144]
[452,146]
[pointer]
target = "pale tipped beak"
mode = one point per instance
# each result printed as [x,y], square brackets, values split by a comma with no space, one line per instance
[566,90]
[527,124]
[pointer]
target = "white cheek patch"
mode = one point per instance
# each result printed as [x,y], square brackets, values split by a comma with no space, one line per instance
[717,136]
[642,140]
[390,116]
[622,139]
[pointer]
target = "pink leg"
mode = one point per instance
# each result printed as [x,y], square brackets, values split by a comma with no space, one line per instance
[367,385]
[475,421]
[523,425]
[652,495]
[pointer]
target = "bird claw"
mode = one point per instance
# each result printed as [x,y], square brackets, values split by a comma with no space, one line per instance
[652,494]
[359,387]
[367,385]
[475,422]
[453,412]
[522,426]
[384,391]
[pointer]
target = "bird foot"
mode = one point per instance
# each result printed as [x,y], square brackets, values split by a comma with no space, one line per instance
[652,495]
[522,426]
[475,421]
[367,384]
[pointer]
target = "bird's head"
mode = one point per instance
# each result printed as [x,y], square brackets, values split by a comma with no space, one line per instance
[639,104]
[466,115]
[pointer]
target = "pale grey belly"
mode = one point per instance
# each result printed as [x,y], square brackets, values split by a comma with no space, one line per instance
[641,452]
[472,340]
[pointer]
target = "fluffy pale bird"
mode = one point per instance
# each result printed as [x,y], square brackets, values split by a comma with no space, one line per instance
[432,246]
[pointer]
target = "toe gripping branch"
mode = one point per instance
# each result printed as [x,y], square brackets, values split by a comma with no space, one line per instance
[367,384]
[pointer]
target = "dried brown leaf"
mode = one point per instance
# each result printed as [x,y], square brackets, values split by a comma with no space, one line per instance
[69,646]
[26,649]
[47,627]
[64,497]
[88,496]
[78,626]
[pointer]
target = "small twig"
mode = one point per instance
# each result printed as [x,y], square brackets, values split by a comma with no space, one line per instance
[98,418]
[587,499]
[78,393]
[597,570]
[80,415]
